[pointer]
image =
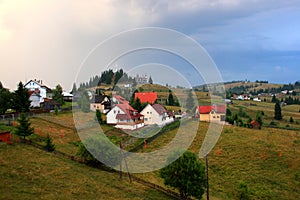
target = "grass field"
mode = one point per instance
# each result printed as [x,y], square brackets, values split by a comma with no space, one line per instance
[252,108]
[29,173]
[251,156]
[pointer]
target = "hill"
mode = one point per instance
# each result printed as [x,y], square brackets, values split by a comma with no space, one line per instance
[29,173]
[265,160]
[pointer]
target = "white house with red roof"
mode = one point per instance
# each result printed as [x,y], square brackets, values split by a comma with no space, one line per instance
[125,117]
[146,97]
[156,114]
[37,86]
[214,113]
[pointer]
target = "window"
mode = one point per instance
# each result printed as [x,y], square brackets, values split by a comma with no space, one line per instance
[118,112]
[114,112]
[146,119]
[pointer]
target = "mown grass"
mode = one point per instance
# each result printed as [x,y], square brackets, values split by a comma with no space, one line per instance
[29,173]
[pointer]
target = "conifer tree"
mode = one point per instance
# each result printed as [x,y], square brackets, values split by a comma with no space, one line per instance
[23,129]
[278,115]
[21,102]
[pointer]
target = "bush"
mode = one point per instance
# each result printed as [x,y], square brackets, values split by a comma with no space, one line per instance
[100,151]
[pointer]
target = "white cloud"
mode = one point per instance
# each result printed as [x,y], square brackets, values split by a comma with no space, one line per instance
[49,39]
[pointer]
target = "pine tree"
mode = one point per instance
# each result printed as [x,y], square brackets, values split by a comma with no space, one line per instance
[190,103]
[150,80]
[171,99]
[137,105]
[74,89]
[274,100]
[278,115]
[84,102]
[99,116]
[23,129]
[21,102]
[49,146]
[291,120]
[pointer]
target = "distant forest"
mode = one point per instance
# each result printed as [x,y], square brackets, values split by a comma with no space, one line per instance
[108,77]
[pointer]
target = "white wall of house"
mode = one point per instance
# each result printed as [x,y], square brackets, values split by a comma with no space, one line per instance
[130,126]
[112,114]
[35,100]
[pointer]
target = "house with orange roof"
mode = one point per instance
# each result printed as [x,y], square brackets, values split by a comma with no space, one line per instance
[146,97]
[214,113]
[125,117]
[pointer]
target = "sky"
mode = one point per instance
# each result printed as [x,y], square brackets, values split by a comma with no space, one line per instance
[51,39]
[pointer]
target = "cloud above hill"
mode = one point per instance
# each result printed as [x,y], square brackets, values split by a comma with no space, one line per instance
[49,39]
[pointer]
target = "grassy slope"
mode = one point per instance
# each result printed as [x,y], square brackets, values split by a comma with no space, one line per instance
[252,108]
[241,159]
[29,173]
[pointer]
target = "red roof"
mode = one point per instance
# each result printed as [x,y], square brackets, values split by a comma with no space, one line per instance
[208,109]
[130,113]
[146,97]
[159,109]
[121,99]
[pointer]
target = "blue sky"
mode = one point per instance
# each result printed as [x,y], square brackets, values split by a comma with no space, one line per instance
[256,40]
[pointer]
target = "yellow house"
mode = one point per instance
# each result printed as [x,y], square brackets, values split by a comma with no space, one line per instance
[215,113]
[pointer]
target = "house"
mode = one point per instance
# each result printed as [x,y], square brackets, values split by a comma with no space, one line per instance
[44,91]
[5,137]
[35,99]
[214,113]
[141,79]
[125,117]
[100,102]
[67,96]
[50,104]
[156,114]
[257,99]
[146,97]
[117,99]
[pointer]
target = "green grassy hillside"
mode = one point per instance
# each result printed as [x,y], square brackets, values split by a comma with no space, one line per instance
[29,173]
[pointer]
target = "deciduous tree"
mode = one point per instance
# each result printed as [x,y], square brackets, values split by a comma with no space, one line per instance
[187,174]
[57,95]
